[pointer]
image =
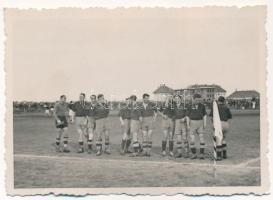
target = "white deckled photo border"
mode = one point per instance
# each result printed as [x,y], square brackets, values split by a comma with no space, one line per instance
[6,122]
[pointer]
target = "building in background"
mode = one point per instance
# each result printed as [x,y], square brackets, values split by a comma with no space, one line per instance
[162,92]
[244,95]
[208,92]
[244,99]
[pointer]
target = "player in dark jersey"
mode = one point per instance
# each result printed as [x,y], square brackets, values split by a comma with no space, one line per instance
[61,114]
[125,120]
[225,116]
[102,125]
[181,126]
[136,118]
[149,113]
[167,113]
[91,123]
[198,121]
[80,108]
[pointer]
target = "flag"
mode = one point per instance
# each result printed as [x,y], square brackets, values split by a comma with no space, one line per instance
[218,134]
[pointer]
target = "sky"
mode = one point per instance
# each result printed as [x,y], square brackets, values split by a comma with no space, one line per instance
[132,51]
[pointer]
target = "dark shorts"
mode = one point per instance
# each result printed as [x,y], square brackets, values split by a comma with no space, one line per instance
[63,123]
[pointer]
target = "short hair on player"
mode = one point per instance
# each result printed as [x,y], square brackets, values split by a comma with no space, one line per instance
[62,96]
[83,94]
[100,95]
[196,96]
[145,95]
[133,97]
[93,96]
[221,99]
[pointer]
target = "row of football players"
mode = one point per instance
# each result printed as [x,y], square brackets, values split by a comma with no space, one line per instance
[179,122]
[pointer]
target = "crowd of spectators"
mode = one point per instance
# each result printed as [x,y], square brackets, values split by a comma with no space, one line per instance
[48,107]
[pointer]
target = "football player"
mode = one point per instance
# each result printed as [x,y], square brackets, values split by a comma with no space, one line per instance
[181,126]
[91,123]
[198,121]
[102,112]
[148,112]
[80,108]
[136,117]
[61,114]
[167,112]
[225,116]
[125,120]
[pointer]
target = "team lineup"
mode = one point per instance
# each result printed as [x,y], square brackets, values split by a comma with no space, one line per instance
[181,123]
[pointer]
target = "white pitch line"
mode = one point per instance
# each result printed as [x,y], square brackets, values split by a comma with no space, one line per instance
[132,161]
[243,164]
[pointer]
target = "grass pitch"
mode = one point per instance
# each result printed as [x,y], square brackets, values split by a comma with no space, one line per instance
[37,165]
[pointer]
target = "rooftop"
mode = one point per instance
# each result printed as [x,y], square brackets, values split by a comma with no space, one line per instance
[163,89]
[204,86]
[243,94]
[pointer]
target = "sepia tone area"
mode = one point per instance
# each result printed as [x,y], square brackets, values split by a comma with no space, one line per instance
[38,166]
[213,52]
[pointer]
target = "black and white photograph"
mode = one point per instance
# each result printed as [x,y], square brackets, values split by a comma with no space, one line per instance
[136,100]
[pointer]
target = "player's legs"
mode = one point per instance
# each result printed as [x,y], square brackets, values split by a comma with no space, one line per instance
[65,135]
[61,127]
[179,145]
[99,143]
[140,140]
[128,141]
[90,139]
[65,140]
[135,144]
[193,128]
[185,143]
[145,140]
[106,133]
[145,129]
[123,142]
[107,141]
[90,131]
[84,126]
[125,136]
[150,141]
[128,138]
[225,129]
[224,146]
[99,132]
[171,143]
[166,130]
[200,132]
[164,140]
[58,139]
[85,130]
[178,133]
[171,135]
[80,129]
[134,130]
